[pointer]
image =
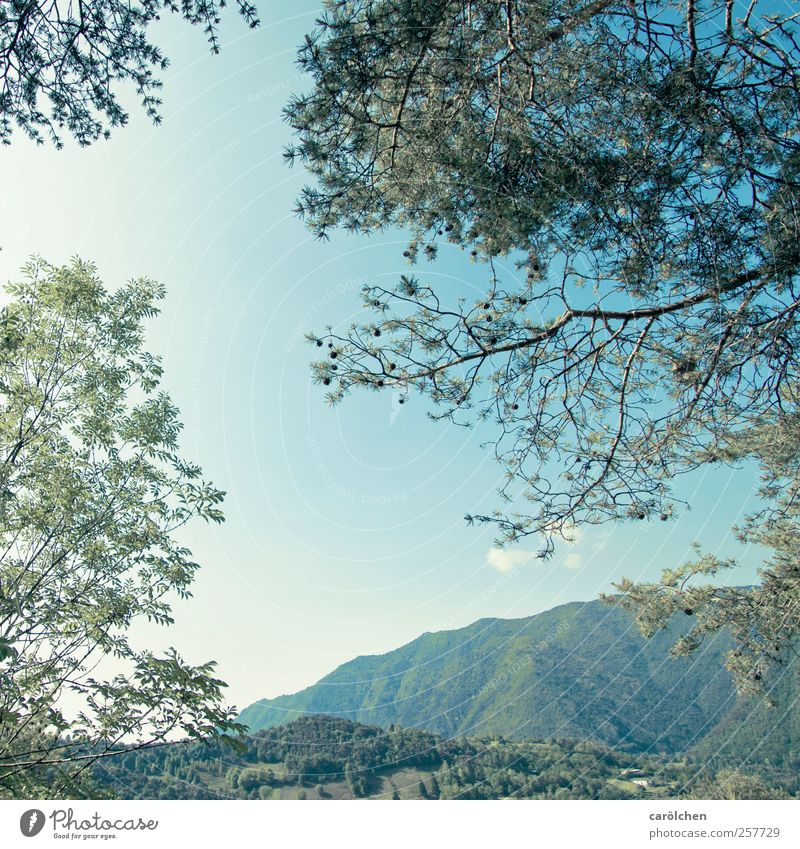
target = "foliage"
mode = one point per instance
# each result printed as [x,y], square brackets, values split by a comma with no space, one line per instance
[764,620]
[732,784]
[639,164]
[319,757]
[353,759]
[75,56]
[758,734]
[92,493]
[48,780]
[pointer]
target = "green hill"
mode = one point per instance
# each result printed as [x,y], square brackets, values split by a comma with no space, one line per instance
[322,757]
[578,671]
[757,737]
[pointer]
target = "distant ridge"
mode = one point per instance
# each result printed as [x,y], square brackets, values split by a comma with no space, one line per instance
[580,670]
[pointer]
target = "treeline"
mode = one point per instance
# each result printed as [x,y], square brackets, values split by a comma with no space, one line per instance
[318,757]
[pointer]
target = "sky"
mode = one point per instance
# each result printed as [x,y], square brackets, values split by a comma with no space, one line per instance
[345,532]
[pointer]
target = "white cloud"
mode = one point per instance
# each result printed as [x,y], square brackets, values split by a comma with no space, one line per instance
[573,561]
[504,560]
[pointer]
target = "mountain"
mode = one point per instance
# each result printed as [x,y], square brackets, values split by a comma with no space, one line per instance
[580,670]
[754,735]
[570,704]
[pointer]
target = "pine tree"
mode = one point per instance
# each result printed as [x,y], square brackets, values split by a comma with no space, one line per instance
[62,64]
[626,179]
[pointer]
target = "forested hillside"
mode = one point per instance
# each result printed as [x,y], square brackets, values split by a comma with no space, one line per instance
[759,735]
[318,757]
[580,670]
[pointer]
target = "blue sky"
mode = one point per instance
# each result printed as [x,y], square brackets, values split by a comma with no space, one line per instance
[345,531]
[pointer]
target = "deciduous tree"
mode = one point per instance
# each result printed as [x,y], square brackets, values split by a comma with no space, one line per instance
[92,492]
